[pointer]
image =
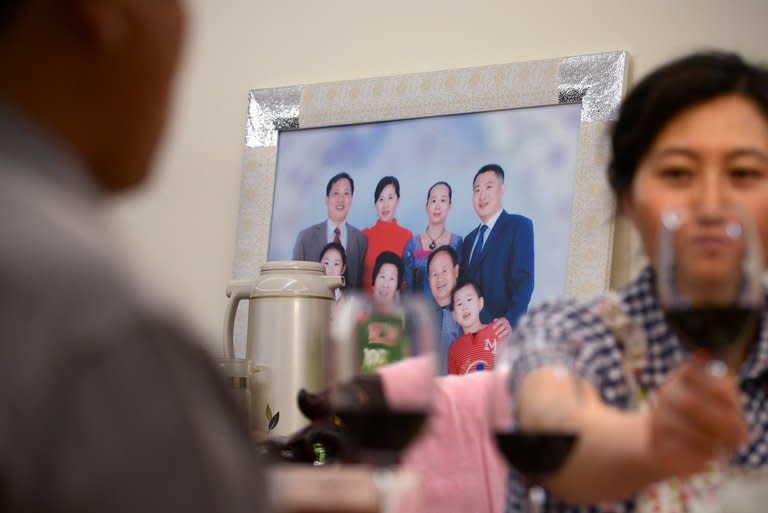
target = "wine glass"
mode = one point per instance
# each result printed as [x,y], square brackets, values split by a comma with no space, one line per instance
[709,278]
[710,288]
[380,417]
[535,400]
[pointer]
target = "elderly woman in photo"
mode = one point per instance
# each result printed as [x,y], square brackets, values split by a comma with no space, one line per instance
[418,248]
[387,279]
[382,336]
[386,234]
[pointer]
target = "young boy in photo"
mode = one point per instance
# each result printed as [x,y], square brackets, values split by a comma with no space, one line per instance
[475,350]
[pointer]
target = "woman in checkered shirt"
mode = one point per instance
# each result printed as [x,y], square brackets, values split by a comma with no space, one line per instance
[692,133]
[694,130]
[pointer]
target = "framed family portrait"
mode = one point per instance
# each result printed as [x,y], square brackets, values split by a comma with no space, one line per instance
[544,122]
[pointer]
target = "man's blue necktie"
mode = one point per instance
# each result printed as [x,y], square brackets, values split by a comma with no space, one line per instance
[478,246]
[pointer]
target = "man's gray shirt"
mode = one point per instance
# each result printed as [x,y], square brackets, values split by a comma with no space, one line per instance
[107,403]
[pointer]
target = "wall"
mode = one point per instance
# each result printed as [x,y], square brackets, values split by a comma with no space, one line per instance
[183,220]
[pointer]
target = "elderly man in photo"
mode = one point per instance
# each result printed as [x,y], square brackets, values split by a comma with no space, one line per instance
[443,272]
[498,254]
[109,402]
[311,241]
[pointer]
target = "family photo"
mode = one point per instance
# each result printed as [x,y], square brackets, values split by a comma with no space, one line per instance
[418,206]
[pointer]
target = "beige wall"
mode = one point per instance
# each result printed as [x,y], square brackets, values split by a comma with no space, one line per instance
[183,221]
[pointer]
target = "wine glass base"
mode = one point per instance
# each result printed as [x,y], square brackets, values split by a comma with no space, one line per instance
[397,490]
[536,498]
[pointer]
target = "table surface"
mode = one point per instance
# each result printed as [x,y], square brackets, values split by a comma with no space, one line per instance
[297,488]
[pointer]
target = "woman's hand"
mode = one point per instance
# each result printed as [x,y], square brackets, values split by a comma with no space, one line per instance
[696,417]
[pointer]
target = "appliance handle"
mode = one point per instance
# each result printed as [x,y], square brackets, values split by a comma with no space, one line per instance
[236,291]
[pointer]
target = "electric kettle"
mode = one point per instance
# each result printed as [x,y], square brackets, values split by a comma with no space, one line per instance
[289,313]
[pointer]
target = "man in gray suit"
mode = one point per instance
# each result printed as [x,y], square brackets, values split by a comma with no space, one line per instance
[312,240]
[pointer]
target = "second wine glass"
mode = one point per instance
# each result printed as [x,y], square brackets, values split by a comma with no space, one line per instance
[535,401]
[367,337]
[709,277]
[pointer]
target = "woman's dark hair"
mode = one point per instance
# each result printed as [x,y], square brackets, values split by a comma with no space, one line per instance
[388,257]
[450,192]
[338,247]
[387,180]
[669,90]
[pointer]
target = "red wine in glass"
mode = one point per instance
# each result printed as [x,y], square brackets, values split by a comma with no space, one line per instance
[714,328]
[382,433]
[709,277]
[535,454]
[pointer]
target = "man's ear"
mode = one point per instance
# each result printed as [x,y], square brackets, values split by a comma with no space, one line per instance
[456,271]
[480,304]
[103,23]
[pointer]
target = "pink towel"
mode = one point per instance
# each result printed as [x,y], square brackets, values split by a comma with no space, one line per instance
[455,456]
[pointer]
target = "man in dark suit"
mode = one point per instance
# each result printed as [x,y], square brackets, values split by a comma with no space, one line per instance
[311,241]
[498,254]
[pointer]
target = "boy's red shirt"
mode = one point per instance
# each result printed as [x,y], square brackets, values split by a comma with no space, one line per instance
[473,352]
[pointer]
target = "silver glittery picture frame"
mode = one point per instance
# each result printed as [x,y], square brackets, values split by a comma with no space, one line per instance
[596,82]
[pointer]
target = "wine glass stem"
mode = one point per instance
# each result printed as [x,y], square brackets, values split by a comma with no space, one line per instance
[396,488]
[536,497]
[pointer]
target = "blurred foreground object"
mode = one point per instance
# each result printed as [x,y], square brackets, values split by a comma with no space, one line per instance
[324,440]
[367,335]
[109,402]
[337,489]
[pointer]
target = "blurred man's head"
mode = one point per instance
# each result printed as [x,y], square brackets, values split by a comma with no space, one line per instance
[96,74]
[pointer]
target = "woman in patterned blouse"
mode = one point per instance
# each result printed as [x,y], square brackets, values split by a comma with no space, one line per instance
[654,415]
[692,134]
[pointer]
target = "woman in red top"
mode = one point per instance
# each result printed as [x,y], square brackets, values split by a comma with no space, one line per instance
[386,234]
